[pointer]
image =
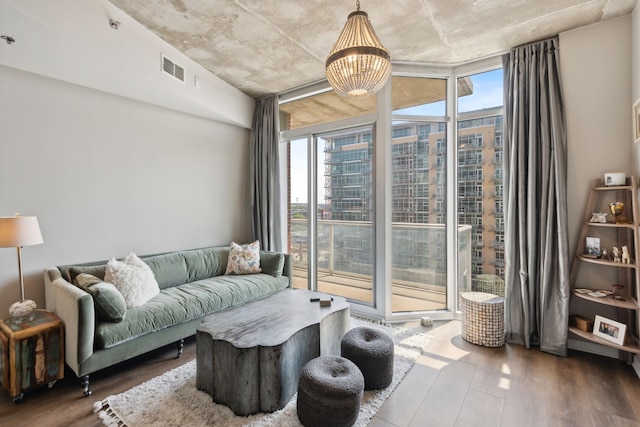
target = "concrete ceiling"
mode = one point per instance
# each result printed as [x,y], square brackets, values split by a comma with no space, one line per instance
[263,47]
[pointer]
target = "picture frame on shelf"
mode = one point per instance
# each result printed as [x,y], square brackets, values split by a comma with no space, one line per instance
[636,120]
[609,330]
[592,249]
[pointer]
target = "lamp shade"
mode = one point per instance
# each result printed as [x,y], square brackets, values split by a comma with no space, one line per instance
[358,65]
[17,231]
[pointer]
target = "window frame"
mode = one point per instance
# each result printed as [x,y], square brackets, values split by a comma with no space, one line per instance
[382,120]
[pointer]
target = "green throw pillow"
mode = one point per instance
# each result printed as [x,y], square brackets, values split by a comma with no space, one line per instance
[272,263]
[95,270]
[108,301]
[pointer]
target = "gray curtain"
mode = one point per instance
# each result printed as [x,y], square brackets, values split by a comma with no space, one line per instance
[264,172]
[535,177]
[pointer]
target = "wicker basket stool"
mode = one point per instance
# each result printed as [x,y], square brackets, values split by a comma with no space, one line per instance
[482,318]
[372,351]
[329,392]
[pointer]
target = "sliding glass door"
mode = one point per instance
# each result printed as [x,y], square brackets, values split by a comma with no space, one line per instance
[331,212]
[345,208]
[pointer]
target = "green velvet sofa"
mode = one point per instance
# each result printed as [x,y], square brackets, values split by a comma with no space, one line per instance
[192,285]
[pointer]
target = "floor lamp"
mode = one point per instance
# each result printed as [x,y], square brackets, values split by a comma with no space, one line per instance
[15,232]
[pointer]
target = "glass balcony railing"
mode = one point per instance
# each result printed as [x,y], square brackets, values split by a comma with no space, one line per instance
[345,261]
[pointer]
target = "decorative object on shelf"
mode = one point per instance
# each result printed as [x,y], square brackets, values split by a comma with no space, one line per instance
[636,121]
[593,247]
[616,209]
[358,65]
[18,231]
[599,217]
[609,330]
[617,292]
[581,322]
[614,178]
[597,294]
[615,254]
[605,254]
[625,255]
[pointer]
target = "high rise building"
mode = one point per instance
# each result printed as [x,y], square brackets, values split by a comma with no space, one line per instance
[419,162]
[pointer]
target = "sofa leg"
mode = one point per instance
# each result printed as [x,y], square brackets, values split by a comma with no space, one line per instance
[84,383]
[180,348]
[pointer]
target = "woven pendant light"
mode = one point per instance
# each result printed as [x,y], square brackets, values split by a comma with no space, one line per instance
[358,65]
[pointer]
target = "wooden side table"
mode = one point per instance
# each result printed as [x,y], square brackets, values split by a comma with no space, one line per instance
[31,352]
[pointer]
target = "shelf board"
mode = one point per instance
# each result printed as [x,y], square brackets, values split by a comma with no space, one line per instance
[633,347]
[614,187]
[630,303]
[605,262]
[598,185]
[630,225]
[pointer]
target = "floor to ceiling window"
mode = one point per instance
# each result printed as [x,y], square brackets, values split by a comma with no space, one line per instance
[419,194]
[444,201]
[480,206]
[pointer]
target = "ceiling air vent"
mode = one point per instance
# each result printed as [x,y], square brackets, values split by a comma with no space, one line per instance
[173,69]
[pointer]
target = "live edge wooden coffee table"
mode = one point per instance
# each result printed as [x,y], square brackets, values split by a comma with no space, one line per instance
[250,357]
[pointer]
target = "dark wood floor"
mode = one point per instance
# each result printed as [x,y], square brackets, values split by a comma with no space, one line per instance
[454,384]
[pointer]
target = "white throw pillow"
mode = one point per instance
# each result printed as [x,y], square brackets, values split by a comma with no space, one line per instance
[133,278]
[244,260]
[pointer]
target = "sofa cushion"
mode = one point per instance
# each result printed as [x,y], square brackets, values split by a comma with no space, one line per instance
[272,263]
[244,259]
[202,263]
[168,269]
[133,278]
[108,301]
[186,302]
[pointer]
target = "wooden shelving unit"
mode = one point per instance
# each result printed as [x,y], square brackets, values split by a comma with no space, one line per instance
[622,233]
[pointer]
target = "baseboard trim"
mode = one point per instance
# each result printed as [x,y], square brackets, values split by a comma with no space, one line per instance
[589,347]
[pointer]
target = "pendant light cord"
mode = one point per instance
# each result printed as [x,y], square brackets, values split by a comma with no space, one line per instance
[358,4]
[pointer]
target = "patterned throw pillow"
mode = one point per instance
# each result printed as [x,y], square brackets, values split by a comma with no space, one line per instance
[133,278]
[244,259]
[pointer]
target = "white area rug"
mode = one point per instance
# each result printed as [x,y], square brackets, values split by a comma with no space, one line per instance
[172,398]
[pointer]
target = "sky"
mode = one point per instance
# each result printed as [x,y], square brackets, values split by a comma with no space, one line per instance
[487,93]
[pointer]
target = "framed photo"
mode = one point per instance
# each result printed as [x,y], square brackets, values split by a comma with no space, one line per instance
[593,247]
[636,121]
[609,330]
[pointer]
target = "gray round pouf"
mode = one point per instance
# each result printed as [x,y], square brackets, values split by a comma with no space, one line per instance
[329,392]
[372,351]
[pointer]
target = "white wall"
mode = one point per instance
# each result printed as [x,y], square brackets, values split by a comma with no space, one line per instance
[595,65]
[635,81]
[107,175]
[72,41]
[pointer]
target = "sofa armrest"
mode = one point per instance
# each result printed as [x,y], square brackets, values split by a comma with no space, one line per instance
[75,307]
